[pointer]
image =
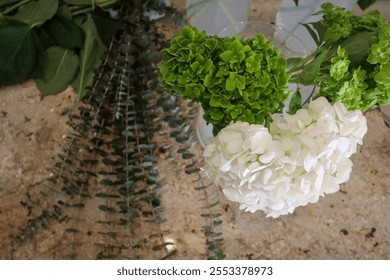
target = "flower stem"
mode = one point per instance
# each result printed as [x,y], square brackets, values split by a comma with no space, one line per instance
[85,10]
[17,5]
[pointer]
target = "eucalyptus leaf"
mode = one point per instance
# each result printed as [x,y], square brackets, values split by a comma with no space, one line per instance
[18,52]
[37,12]
[90,58]
[58,68]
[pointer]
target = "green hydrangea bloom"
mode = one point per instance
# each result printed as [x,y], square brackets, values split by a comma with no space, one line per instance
[379,52]
[340,64]
[233,78]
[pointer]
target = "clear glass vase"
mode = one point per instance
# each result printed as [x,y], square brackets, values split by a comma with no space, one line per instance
[289,45]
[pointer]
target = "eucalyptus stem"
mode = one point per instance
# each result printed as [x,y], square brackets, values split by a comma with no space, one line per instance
[85,10]
[17,5]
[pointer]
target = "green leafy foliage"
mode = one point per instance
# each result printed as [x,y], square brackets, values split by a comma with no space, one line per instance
[233,78]
[350,63]
[66,33]
[37,12]
[90,58]
[18,52]
[58,67]
[47,40]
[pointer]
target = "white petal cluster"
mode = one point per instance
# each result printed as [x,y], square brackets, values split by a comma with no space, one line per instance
[301,158]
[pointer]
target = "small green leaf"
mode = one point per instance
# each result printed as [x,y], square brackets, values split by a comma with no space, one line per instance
[230,84]
[66,33]
[296,2]
[295,102]
[211,44]
[226,56]
[18,52]
[58,68]
[219,101]
[37,12]
[90,58]
[217,115]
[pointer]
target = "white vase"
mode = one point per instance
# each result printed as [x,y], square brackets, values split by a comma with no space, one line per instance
[214,15]
[289,45]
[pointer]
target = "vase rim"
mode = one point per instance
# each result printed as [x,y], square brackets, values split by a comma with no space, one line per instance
[288,35]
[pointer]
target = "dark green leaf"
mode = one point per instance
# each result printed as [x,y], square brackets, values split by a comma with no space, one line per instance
[364,4]
[296,2]
[37,12]
[293,61]
[319,29]
[46,41]
[90,58]
[312,33]
[18,53]
[80,2]
[58,67]
[6,2]
[295,102]
[66,33]
[64,12]
[106,26]
[310,72]
[357,47]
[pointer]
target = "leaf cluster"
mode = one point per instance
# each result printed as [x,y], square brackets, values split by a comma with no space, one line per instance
[56,42]
[351,62]
[363,4]
[233,78]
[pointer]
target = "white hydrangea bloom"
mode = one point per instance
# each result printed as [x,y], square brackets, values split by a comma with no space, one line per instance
[301,158]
